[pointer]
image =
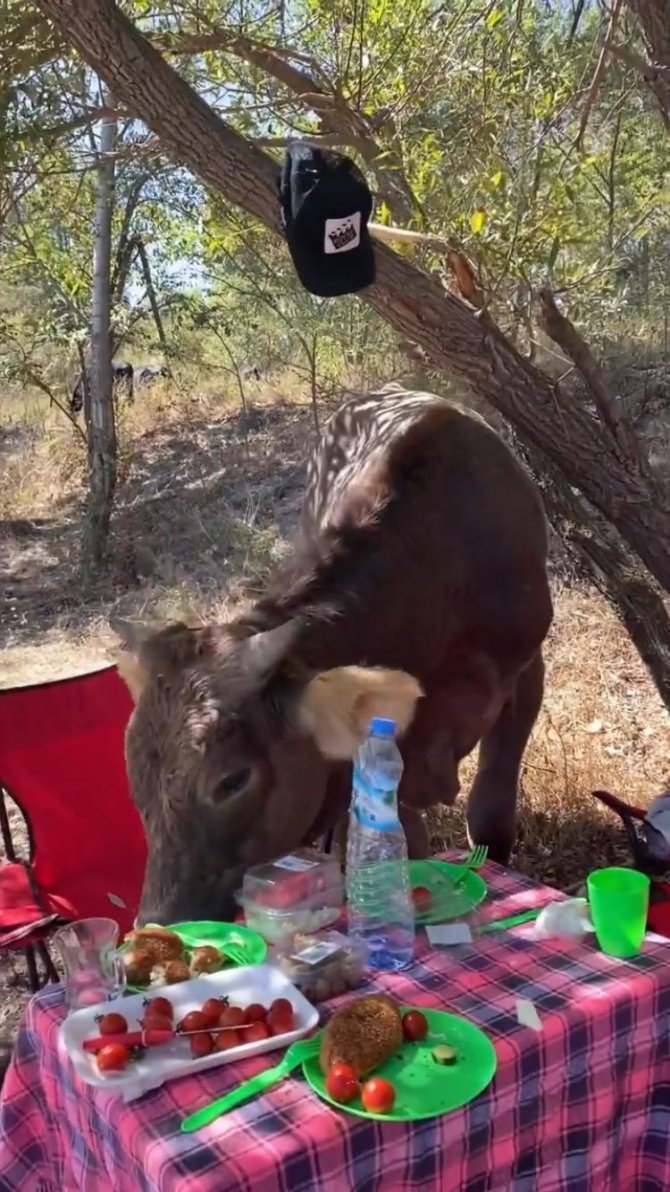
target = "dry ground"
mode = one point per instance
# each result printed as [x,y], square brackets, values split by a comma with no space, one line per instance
[206,500]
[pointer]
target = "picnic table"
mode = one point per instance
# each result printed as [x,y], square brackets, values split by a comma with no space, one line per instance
[583,1104]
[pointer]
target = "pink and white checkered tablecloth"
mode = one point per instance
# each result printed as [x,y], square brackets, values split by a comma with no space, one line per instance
[583,1105]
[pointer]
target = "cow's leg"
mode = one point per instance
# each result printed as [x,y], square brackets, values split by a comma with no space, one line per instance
[491,810]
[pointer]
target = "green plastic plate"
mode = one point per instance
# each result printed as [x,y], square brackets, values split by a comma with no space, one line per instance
[446,902]
[250,944]
[424,1088]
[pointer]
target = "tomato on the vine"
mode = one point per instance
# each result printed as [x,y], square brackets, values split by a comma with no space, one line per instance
[114,1057]
[113,1024]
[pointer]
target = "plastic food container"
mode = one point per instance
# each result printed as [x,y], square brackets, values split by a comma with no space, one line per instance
[302,892]
[254,983]
[325,965]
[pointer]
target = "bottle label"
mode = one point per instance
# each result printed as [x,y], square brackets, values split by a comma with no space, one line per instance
[372,807]
[295,864]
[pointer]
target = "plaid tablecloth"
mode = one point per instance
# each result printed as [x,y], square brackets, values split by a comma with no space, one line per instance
[584,1104]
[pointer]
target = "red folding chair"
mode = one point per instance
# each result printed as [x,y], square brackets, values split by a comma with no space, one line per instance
[62,762]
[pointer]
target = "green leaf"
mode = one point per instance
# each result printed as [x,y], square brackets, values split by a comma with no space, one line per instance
[492,19]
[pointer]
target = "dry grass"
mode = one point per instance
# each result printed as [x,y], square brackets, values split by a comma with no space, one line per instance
[207,498]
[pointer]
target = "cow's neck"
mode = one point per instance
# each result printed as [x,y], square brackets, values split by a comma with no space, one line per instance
[335,592]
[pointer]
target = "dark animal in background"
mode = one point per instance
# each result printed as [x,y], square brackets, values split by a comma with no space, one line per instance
[150,373]
[122,384]
[251,374]
[417,590]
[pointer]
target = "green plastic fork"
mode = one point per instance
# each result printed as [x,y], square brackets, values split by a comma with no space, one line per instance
[304,1049]
[476,859]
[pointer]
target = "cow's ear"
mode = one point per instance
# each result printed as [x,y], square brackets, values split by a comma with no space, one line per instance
[337,706]
[133,671]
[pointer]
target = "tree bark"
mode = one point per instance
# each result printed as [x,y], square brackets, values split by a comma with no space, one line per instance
[455,337]
[603,559]
[101,422]
[654,19]
[153,302]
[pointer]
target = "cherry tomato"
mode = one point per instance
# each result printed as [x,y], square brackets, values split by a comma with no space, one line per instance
[201,1045]
[378,1095]
[279,1023]
[255,1033]
[193,1021]
[342,1083]
[414,1026]
[211,1010]
[227,1039]
[422,898]
[232,1016]
[113,1024]
[115,1057]
[281,1005]
[160,1005]
[255,1013]
[158,1022]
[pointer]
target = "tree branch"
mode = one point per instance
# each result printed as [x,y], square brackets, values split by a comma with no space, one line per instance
[564,333]
[457,339]
[654,20]
[337,117]
[598,73]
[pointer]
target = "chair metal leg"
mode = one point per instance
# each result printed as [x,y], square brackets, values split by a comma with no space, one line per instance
[51,971]
[32,968]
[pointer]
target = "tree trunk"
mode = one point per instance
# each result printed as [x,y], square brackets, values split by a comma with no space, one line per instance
[101,426]
[603,558]
[654,18]
[153,302]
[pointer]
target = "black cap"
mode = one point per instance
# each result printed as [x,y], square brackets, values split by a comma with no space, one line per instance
[326,204]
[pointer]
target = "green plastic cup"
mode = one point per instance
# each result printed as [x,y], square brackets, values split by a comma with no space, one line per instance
[619,901]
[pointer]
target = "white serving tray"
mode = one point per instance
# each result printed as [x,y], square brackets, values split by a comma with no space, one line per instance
[254,983]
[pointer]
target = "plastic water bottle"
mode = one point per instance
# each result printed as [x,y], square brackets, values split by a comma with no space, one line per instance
[381,912]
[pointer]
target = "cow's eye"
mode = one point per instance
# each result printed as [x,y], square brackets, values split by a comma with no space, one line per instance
[233,783]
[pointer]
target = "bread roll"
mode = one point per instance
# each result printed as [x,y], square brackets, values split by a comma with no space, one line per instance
[364,1034]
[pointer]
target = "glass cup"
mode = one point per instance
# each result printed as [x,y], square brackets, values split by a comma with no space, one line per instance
[619,901]
[94,971]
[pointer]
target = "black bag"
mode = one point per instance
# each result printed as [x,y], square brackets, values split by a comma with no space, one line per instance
[325,206]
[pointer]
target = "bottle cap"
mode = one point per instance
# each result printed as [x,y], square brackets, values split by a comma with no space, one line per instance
[382,728]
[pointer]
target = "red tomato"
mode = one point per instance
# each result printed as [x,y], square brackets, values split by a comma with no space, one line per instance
[113,1024]
[255,1013]
[414,1026]
[342,1083]
[232,1016]
[211,1010]
[201,1045]
[378,1095]
[158,1022]
[115,1057]
[422,898]
[227,1039]
[160,1005]
[280,1023]
[193,1021]
[281,1005]
[255,1033]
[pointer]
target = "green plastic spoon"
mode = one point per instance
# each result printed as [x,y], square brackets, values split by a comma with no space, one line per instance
[304,1049]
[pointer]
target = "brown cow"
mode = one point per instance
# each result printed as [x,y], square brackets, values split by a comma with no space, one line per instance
[423,551]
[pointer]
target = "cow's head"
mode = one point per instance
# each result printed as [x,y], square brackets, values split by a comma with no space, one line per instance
[229,750]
